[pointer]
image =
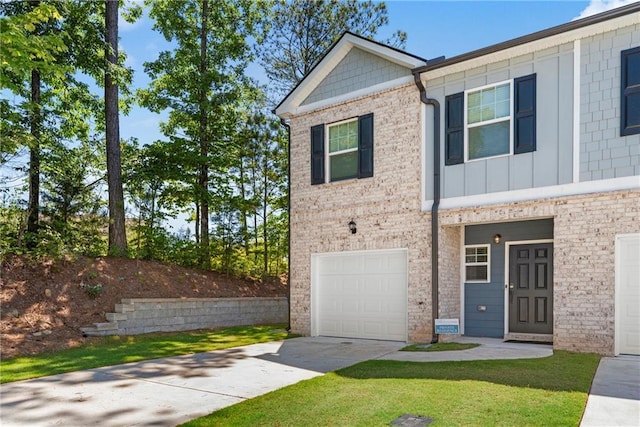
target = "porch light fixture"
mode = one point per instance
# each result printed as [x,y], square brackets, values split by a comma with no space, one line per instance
[497,238]
[352,227]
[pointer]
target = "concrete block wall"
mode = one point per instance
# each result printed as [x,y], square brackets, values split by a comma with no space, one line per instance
[385,207]
[141,316]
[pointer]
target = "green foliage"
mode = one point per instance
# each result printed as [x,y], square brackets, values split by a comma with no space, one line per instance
[115,350]
[93,291]
[302,31]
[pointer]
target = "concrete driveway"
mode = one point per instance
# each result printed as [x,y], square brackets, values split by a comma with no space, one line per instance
[166,392]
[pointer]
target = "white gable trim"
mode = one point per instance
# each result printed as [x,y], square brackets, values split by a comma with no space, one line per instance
[402,81]
[291,104]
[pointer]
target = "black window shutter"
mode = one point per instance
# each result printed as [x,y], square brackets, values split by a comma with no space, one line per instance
[365,146]
[454,122]
[630,92]
[317,154]
[524,126]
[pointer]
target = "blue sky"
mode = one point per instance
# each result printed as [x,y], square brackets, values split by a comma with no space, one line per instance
[434,28]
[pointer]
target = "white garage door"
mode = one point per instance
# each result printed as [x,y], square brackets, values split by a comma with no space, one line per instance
[628,294]
[360,295]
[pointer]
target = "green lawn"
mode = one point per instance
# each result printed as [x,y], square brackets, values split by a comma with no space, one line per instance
[550,391]
[115,350]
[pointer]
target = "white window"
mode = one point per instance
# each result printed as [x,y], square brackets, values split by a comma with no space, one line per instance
[477,264]
[488,130]
[342,153]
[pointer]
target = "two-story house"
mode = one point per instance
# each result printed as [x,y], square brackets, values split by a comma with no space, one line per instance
[500,188]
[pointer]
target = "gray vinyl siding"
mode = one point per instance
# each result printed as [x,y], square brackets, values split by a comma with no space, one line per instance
[490,323]
[603,152]
[357,70]
[552,162]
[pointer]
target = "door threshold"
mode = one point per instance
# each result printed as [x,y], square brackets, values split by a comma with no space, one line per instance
[517,336]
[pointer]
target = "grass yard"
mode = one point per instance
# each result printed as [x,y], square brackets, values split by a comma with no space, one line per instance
[115,350]
[549,391]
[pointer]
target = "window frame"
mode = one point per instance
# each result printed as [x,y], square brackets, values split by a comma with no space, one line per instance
[328,154]
[471,264]
[510,118]
[626,91]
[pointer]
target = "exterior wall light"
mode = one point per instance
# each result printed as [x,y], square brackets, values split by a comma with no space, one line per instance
[352,227]
[497,238]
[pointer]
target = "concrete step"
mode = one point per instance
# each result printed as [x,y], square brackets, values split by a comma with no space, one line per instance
[106,326]
[124,308]
[114,317]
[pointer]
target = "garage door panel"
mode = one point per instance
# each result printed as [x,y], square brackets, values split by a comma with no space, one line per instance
[628,294]
[361,295]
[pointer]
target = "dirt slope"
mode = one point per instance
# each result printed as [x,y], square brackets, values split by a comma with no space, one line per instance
[43,304]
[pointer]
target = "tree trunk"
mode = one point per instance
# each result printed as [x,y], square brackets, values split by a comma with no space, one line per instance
[34,159]
[265,201]
[117,233]
[243,210]
[205,258]
[196,230]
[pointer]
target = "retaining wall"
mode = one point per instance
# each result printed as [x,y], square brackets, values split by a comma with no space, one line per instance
[144,315]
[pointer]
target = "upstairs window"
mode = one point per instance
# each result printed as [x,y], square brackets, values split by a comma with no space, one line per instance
[490,121]
[476,264]
[342,150]
[630,92]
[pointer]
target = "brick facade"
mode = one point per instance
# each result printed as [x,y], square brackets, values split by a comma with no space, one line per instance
[386,207]
[584,260]
[387,210]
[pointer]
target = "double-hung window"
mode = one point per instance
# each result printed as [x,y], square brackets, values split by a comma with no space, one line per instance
[477,264]
[490,121]
[342,156]
[342,150]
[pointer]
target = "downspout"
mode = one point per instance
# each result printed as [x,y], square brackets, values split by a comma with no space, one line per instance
[436,200]
[286,125]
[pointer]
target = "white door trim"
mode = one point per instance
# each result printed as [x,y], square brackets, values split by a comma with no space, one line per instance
[507,246]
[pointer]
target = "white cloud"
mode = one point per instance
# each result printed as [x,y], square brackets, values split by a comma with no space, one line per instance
[599,6]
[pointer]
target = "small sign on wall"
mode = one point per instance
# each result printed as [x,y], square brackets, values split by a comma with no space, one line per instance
[447,326]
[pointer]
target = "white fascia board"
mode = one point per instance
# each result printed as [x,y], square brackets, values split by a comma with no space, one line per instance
[535,46]
[331,60]
[391,84]
[529,194]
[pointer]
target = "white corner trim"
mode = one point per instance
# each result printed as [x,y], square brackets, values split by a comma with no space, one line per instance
[529,194]
[577,51]
[462,273]
[402,81]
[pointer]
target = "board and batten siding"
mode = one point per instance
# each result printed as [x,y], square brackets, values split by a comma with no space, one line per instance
[551,163]
[490,323]
[604,153]
[357,70]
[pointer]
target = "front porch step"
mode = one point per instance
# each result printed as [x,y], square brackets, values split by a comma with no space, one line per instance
[515,336]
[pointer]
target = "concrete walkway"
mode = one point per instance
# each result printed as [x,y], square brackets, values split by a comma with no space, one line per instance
[166,392]
[614,399]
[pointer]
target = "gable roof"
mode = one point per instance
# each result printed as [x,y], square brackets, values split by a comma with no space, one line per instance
[293,101]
